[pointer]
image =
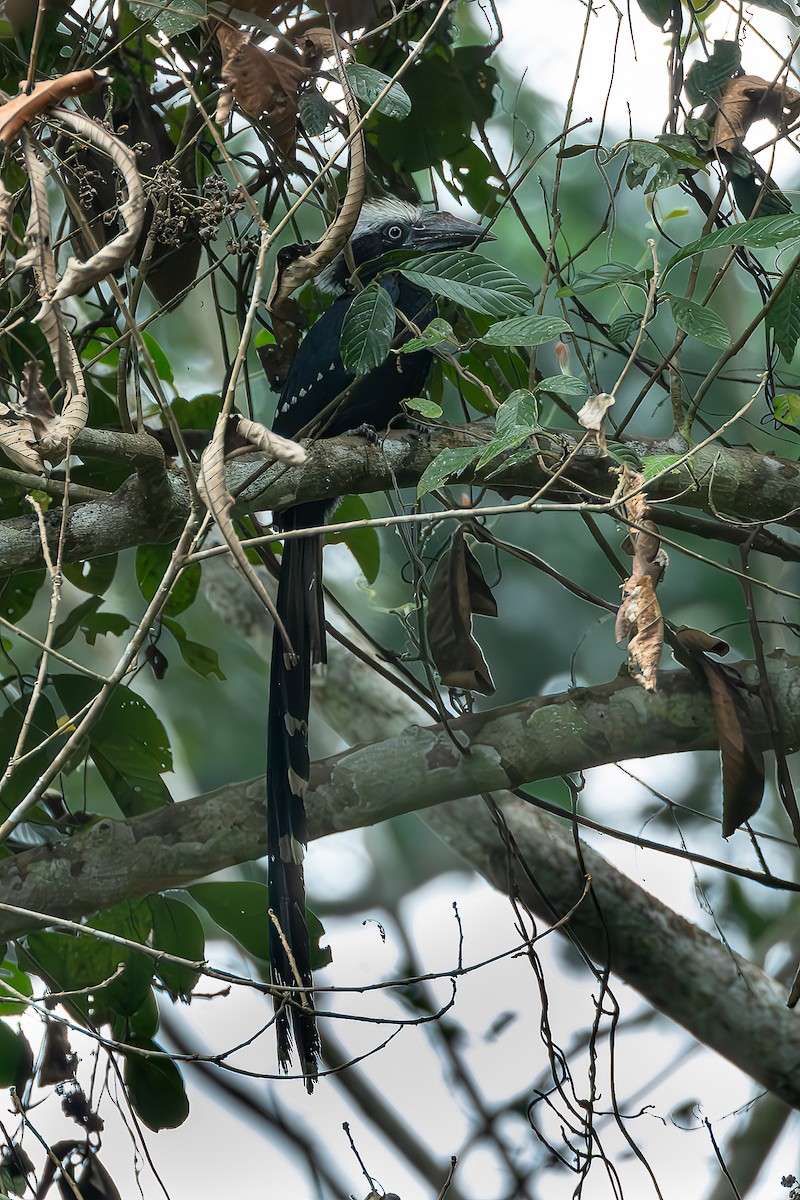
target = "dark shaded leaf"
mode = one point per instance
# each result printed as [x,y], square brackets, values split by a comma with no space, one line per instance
[18,592]
[128,744]
[95,1183]
[202,659]
[94,575]
[706,79]
[315,114]
[657,11]
[458,589]
[16,1058]
[58,1062]
[19,981]
[367,330]
[155,1089]
[151,566]
[177,930]
[66,629]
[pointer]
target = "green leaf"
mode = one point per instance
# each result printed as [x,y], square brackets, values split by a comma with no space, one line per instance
[128,744]
[160,360]
[624,328]
[778,6]
[16,1058]
[170,16]
[101,623]
[426,408]
[240,908]
[606,275]
[759,233]
[27,772]
[15,978]
[657,11]
[66,629]
[786,408]
[563,385]
[654,464]
[363,544]
[155,1089]
[367,330]
[177,930]
[315,114]
[151,566]
[94,575]
[204,660]
[18,592]
[88,966]
[444,466]
[784,317]
[367,83]
[665,177]
[477,283]
[525,331]
[264,337]
[706,80]
[517,418]
[647,154]
[700,322]
[437,332]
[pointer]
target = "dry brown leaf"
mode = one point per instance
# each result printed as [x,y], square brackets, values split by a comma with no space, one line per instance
[639,616]
[317,44]
[639,619]
[280,448]
[747,99]
[592,416]
[457,591]
[17,112]
[264,83]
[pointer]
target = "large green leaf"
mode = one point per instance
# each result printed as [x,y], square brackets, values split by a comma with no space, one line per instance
[17,981]
[700,322]
[525,331]
[367,330]
[18,592]
[784,317]
[151,565]
[155,1089]
[363,544]
[88,966]
[170,16]
[43,723]
[202,659]
[128,744]
[367,83]
[517,419]
[94,575]
[446,464]
[242,910]
[759,233]
[16,1058]
[469,279]
[657,11]
[177,929]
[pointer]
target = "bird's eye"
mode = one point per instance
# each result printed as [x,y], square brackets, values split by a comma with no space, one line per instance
[395,233]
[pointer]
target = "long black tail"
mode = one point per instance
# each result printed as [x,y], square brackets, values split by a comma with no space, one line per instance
[300,606]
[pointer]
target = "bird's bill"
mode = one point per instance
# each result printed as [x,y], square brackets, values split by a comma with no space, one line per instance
[443,231]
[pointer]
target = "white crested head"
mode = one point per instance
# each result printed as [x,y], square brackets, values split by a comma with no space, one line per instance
[374,216]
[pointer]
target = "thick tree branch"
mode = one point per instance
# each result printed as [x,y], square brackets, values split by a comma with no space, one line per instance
[735,484]
[722,1000]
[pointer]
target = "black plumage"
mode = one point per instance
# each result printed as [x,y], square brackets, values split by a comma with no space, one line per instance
[320,398]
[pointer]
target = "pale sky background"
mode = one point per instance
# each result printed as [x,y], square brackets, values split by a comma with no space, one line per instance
[219,1153]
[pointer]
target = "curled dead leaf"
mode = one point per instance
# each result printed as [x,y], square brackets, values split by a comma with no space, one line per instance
[748,99]
[592,415]
[280,448]
[639,618]
[19,110]
[317,44]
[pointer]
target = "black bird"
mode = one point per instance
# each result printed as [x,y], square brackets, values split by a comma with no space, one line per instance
[321,399]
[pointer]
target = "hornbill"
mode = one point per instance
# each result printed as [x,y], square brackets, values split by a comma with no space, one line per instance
[320,398]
